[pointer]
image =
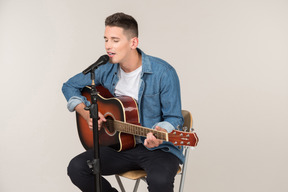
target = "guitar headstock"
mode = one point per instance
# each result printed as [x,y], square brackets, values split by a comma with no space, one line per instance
[179,138]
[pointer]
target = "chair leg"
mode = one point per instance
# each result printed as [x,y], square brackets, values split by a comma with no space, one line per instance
[120,183]
[136,185]
[184,169]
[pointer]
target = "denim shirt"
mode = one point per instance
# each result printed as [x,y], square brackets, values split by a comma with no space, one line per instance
[159,99]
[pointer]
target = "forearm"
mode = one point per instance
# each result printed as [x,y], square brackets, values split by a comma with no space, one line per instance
[72,89]
[81,111]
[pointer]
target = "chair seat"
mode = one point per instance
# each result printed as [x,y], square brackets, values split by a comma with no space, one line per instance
[137,174]
[134,174]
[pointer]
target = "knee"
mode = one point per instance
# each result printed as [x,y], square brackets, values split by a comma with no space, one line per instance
[77,167]
[72,168]
[160,183]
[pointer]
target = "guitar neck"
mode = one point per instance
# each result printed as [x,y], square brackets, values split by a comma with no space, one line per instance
[136,129]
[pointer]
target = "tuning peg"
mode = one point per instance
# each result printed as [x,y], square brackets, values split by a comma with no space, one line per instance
[185,128]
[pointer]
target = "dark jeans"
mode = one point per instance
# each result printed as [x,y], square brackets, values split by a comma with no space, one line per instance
[161,168]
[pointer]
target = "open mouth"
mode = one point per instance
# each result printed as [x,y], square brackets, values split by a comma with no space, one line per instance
[110,54]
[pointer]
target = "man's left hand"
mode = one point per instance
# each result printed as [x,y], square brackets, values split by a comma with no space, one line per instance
[151,141]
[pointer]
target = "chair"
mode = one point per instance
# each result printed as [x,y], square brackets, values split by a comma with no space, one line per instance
[139,175]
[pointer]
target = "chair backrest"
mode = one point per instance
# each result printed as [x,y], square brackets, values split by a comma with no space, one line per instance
[188,121]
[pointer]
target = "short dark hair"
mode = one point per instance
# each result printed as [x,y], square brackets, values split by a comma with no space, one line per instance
[127,22]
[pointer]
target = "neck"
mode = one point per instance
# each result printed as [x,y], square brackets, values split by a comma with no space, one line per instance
[133,62]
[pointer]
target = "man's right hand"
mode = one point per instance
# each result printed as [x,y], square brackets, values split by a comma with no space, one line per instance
[101,119]
[86,115]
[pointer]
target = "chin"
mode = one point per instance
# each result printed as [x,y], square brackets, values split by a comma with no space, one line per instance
[113,61]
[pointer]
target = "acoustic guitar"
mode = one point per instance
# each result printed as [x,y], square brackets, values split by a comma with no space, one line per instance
[123,124]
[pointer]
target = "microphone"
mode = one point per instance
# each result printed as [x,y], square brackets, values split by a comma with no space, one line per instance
[101,61]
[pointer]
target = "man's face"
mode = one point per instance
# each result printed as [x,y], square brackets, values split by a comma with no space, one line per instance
[117,44]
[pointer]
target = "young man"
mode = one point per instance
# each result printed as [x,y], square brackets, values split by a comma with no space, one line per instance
[154,84]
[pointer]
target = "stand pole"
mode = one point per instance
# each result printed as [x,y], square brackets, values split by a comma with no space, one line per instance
[93,108]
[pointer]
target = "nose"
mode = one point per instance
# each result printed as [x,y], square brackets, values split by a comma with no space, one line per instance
[107,45]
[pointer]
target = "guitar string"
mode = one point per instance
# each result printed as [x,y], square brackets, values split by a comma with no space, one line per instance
[111,124]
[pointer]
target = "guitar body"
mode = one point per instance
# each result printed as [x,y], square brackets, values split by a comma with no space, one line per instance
[117,108]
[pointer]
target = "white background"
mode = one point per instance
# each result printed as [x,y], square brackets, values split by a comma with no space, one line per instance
[232,60]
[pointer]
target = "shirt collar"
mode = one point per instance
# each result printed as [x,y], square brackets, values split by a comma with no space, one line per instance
[146,64]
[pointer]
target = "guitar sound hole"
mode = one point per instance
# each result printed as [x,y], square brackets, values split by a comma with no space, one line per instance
[109,125]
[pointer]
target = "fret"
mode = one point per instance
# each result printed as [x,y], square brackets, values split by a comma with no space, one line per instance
[143,132]
[130,129]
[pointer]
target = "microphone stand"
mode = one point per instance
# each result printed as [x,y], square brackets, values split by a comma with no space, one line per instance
[93,108]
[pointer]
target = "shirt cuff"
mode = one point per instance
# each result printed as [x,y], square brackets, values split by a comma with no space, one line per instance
[73,102]
[165,125]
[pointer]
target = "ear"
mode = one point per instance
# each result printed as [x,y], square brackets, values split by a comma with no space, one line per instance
[134,42]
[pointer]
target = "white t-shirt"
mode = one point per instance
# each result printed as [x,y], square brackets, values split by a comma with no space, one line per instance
[129,83]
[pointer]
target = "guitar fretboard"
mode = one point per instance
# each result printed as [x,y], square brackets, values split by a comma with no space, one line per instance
[134,129]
